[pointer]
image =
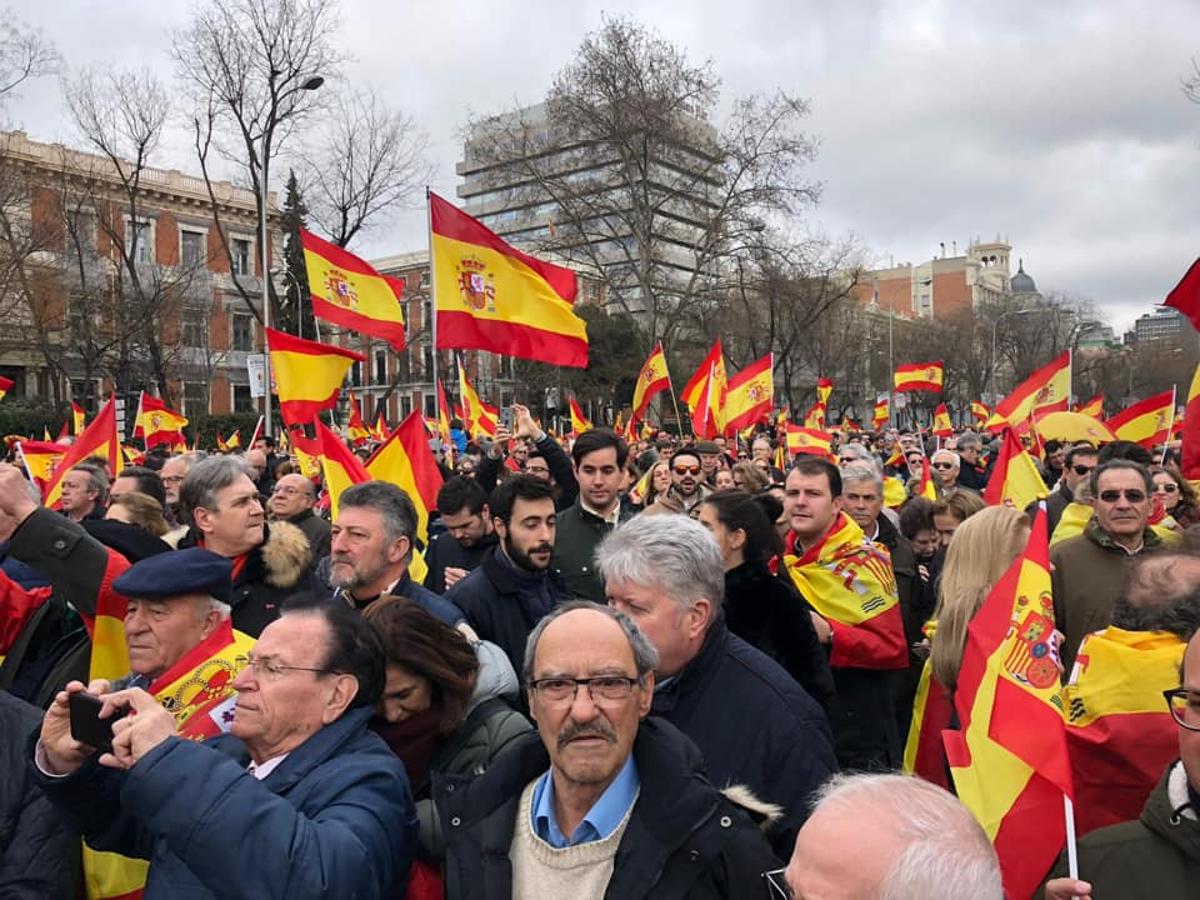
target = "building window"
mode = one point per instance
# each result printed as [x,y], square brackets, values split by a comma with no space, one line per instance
[242,401]
[191,248]
[139,240]
[505,366]
[403,367]
[426,361]
[84,393]
[195,398]
[356,374]
[405,406]
[239,249]
[193,330]
[425,278]
[243,333]
[381,376]
[430,411]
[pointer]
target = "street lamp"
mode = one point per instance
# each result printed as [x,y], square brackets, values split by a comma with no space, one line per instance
[311,83]
[995,325]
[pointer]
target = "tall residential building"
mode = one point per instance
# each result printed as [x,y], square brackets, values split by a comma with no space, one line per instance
[1164,323]
[75,325]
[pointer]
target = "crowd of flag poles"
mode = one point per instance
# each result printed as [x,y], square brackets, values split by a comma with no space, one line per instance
[1008,760]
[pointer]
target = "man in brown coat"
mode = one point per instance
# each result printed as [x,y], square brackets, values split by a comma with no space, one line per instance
[1089,570]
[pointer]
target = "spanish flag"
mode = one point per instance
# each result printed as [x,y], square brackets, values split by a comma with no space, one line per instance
[222,446]
[78,418]
[1190,464]
[849,581]
[308,375]
[919,377]
[942,426]
[579,422]
[491,296]
[348,292]
[1185,296]
[824,389]
[933,711]
[157,424]
[980,412]
[356,429]
[1147,422]
[379,431]
[479,419]
[443,427]
[41,459]
[1015,476]
[926,488]
[814,441]
[1046,390]
[5,386]
[1093,407]
[880,414]
[814,417]
[308,454]
[653,378]
[98,439]
[704,394]
[341,467]
[1009,760]
[235,440]
[750,394]
[1119,733]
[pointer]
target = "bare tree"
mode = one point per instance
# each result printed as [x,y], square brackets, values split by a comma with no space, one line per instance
[252,67]
[24,54]
[371,159]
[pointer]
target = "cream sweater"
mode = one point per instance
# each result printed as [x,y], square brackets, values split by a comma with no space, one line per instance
[540,871]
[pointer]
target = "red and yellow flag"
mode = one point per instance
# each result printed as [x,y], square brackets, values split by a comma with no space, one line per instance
[980,412]
[579,422]
[98,439]
[849,581]
[653,378]
[1009,760]
[479,418]
[308,454]
[926,488]
[443,427]
[356,428]
[933,711]
[1119,732]
[78,418]
[1046,390]
[348,292]
[308,375]
[880,413]
[942,426]
[750,394]
[5,386]
[919,377]
[814,417]
[157,424]
[41,459]
[491,296]
[814,441]
[1185,296]
[1190,463]
[824,389]
[1015,476]
[704,394]
[341,467]
[1093,407]
[1147,422]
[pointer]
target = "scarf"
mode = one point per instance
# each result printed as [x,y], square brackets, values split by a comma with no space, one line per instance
[414,740]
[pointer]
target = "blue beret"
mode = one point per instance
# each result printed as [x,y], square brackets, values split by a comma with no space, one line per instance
[191,571]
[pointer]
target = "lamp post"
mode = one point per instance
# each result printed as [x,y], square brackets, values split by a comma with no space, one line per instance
[311,83]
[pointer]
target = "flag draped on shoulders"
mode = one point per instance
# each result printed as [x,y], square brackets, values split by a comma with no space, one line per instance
[1009,759]
[491,296]
[347,291]
[849,581]
[308,375]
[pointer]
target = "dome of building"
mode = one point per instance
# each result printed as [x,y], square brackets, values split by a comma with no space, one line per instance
[1021,283]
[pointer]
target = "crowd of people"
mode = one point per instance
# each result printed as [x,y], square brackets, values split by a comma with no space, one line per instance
[622,671]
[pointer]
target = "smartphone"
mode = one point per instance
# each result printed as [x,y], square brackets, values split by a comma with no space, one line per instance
[506,418]
[86,725]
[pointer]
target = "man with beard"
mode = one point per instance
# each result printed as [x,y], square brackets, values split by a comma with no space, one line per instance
[371,548]
[687,484]
[506,596]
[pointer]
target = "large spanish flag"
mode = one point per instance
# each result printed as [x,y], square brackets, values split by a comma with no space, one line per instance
[919,377]
[849,581]
[750,394]
[1190,463]
[1093,407]
[341,467]
[653,378]
[1014,476]
[1147,422]
[157,424]
[98,439]
[348,292]
[1119,732]
[1046,390]
[491,296]
[942,426]
[813,441]
[308,375]
[1009,760]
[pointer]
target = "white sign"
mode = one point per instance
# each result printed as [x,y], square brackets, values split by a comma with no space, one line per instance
[256,368]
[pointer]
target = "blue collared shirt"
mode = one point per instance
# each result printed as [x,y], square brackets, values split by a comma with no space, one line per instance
[601,820]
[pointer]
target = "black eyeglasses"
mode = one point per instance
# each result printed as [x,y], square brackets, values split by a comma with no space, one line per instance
[602,689]
[942,465]
[1185,711]
[1133,495]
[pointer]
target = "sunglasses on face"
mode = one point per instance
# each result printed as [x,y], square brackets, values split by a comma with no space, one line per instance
[1168,488]
[942,465]
[1082,470]
[687,470]
[1133,496]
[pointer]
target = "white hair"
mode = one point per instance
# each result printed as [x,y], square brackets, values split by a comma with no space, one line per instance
[957,458]
[947,855]
[206,603]
[671,551]
[860,471]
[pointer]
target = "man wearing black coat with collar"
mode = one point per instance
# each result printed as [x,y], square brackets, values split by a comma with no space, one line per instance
[753,723]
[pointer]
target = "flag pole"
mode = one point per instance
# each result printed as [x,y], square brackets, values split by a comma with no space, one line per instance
[1171,427]
[1072,852]
[674,402]
[437,410]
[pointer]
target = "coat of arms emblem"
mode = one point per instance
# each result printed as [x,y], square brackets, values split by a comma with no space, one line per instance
[476,285]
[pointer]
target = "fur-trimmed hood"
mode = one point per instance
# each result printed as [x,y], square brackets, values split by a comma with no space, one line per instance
[763,814]
[286,555]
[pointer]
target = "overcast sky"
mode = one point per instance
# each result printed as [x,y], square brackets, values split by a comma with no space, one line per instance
[1061,126]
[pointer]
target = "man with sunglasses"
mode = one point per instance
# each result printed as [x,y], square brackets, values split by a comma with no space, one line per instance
[1158,855]
[688,488]
[1078,463]
[1090,569]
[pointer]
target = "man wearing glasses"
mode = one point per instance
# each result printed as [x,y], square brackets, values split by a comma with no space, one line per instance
[292,501]
[602,801]
[1077,468]
[1159,854]
[688,486]
[1089,570]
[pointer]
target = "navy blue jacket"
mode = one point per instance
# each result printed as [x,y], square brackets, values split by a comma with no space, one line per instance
[754,724]
[334,819]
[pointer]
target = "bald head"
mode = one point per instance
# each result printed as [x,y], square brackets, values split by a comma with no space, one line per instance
[1161,593]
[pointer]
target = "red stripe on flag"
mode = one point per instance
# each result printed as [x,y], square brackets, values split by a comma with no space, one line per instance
[876,643]
[392,332]
[510,339]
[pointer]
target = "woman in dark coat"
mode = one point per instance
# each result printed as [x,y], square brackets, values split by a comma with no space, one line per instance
[761,608]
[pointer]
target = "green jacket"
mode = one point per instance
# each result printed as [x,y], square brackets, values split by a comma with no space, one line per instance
[1157,856]
[578,535]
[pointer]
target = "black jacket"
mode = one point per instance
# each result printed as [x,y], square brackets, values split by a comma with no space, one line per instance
[503,610]
[972,477]
[445,552]
[684,838]
[578,534]
[754,724]
[39,853]
[768,613]
[317,530]
[557,461]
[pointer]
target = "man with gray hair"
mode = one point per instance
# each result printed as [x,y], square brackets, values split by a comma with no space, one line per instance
[85,491]
[923,843]
[970,473]
[602,801]
[666,574]
[945,465]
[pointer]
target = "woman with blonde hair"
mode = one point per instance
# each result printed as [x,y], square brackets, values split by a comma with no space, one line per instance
[142,510]
[749,478]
